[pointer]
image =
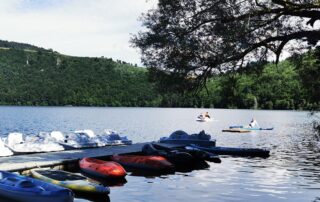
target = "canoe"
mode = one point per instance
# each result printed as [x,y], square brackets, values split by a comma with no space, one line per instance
[253,152]
[69,180]
[248,128]
[154,163]
[25,189]
[236,130]
[102,169]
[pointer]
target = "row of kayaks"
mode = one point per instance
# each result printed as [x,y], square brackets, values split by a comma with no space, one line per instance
[18,143]
[49,185]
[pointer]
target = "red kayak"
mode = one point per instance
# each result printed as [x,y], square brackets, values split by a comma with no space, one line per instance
[102,169]
[157,163]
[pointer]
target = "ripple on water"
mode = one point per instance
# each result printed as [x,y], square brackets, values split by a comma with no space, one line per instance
[291,173]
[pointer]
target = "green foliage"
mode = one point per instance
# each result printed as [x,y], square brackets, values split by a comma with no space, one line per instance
[42,77]
[197,39]
[308,68]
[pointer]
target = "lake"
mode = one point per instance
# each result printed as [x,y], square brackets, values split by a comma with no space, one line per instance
[291,173]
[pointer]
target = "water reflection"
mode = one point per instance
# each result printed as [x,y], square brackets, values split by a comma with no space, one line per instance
[110,182]
[291,173]
[91,197]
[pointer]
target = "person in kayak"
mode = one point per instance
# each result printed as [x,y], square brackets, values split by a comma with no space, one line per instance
[204,115]
[253,123]
[201,116]
[207,115]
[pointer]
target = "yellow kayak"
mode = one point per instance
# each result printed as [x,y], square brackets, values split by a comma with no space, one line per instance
[69,180]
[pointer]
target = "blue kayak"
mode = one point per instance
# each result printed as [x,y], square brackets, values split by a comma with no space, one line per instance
[248,128]
[19,188]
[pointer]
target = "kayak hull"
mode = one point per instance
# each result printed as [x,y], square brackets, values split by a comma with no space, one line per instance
[102,169]
[24,189]
[174,156]
[195,154]
[236,130]
[154,163]
[71,181]
[16,196]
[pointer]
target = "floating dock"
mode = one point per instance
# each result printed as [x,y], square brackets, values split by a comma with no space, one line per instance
[70,158]
[20,163]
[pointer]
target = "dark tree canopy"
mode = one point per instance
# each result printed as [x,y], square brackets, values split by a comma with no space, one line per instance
[192,40]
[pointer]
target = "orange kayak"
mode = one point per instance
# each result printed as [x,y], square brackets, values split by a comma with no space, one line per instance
[102,169]
[157,163]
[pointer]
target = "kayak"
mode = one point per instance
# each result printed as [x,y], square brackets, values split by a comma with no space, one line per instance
[154,163]
[195,154]
[254,152]
[248,128]
[69,180]
[203,155]
[174,156]
[102,169]
[25,189]
[205,119]
[236,130]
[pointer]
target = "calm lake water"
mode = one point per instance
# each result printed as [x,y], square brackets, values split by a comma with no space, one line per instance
[292,173]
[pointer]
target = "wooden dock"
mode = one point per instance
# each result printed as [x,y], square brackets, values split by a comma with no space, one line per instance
[21,163]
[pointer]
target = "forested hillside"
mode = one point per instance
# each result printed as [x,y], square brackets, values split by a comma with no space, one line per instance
[48,78]
[292,84]
[35,76]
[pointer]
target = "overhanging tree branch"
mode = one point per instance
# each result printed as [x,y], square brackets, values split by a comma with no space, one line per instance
[187,37]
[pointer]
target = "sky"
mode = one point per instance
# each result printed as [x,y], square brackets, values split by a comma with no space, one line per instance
[91,28]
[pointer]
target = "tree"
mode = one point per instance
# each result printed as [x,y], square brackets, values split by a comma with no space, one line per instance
[192,40]
[308,66]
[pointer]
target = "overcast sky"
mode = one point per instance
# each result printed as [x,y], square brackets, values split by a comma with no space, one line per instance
[75,27]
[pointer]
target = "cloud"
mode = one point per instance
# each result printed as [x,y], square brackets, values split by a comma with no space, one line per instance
[75,27]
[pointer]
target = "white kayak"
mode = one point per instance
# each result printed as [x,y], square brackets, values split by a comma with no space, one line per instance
[204,119]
